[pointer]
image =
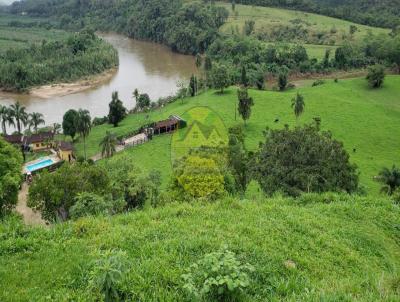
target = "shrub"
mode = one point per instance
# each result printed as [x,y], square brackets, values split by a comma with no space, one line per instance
[97,121]
[92,204]
[199,178]
[218,276]
[108,273]
[282,80]
[304,160]
[318,83]
[376,76]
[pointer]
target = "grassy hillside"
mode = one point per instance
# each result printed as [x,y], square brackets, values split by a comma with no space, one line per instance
[364,119]
[11,36]
[347,250]
[330,30]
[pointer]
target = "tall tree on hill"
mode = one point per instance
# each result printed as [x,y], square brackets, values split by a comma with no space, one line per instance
[245,104]
[117,110]
[193,85]
[108,144]
[220,77]
[238,159]
[298,105]
[20,115]
[69,123]
[83,124]
[136,95]
[35,119]
[326,58]
[143,101]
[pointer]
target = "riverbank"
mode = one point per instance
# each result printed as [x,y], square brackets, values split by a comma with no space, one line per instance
[63,89]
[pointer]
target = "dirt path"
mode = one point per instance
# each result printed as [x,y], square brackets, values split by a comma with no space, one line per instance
[30,217]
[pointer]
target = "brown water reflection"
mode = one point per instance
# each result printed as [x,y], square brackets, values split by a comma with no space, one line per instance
[150,67]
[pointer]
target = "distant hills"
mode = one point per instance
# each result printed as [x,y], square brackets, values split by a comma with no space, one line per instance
[382,13]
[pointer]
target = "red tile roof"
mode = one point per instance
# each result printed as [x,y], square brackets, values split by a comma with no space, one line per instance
[38,138]
[13,139]
[66,146]
[166,123]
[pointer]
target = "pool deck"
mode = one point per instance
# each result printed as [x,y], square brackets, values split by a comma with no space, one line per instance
[53,157]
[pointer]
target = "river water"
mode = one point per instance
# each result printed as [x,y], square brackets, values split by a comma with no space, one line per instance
[151,68]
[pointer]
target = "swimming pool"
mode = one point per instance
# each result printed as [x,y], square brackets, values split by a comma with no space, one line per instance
[40,165]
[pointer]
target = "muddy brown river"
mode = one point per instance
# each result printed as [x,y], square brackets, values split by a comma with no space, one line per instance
[149,67]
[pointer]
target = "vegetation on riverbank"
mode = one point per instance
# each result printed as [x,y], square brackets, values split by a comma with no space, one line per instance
[245,38]
[80,55]
[293,245]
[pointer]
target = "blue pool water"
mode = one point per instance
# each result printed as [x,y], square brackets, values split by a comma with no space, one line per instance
[40,165]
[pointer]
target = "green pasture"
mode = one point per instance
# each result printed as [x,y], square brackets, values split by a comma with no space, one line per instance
[268,18]
[365,120]
[344,250]
[11,37]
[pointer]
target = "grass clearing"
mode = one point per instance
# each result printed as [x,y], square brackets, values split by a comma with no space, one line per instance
[363,119]
[347,250]
[268,18]
[19,37]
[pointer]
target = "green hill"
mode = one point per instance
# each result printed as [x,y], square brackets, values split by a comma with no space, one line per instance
[270,18]
[384,13]
[364,119]
[318,32]
[340,249]
[21,32]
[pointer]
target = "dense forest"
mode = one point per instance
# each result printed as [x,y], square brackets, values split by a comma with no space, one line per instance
[80,55]
[382,13]
[185,28]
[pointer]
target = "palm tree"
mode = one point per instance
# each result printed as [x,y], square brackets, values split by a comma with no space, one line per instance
[5,117]
[56,128]
[108,144]
[390,178]
[136,95]
[18,112]
[35,119]
[298,105]
[83,125]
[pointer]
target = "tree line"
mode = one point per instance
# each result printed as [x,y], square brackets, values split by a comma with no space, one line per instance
[80,55]
[185,27]
[260,60]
